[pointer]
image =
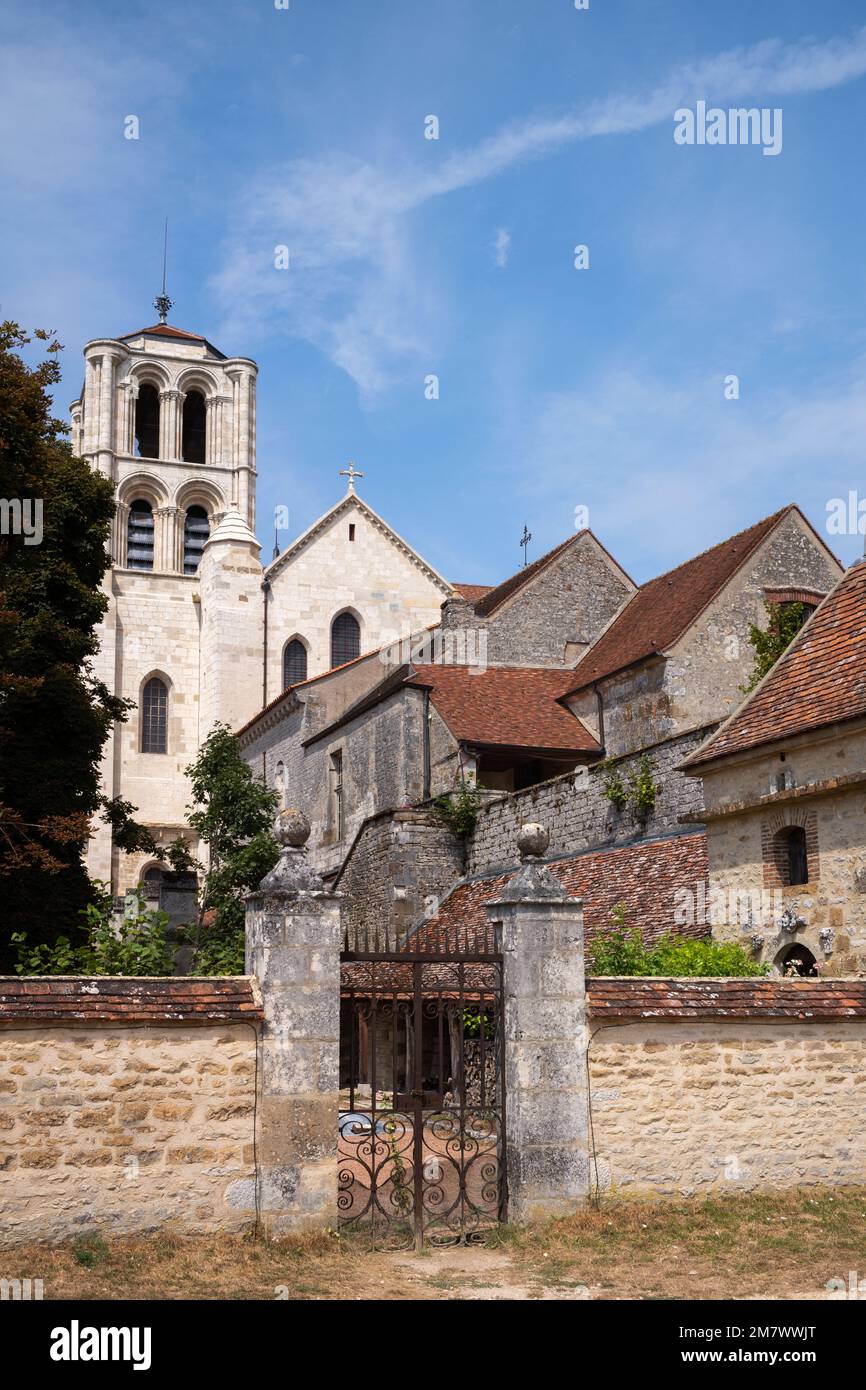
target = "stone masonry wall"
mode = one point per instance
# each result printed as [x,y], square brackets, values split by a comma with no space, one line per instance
[125,1129]
[398,868]
[691,1107]
[578,815]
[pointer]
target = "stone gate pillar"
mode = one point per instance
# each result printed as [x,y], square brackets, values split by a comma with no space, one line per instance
[293,939]
[546,1101]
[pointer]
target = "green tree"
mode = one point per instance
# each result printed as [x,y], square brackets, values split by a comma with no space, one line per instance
[54,714]
[784,621]
[234,814]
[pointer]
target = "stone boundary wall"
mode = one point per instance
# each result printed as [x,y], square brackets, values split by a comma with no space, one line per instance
[719,1086]
[126,1106]
[577,814]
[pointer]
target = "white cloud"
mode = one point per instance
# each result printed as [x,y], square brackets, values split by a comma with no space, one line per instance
[501,247]
[668,469]
[362,288]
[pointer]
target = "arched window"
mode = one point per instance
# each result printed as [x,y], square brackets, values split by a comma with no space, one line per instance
[194,426]
[154,716]
[791,856]
[147,422]
[196,529]
[345,639]
[139,536]
[294,663]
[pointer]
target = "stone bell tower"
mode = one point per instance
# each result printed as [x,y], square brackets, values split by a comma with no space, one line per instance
[171,420]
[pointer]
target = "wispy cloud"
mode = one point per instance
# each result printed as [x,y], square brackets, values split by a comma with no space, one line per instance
[668,468]
[361,292]
[501,247]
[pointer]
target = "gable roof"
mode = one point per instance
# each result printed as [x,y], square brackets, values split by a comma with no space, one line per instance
[505,706]
[350,501]
[495,597]
[664,608]
[817,681]
[165,330]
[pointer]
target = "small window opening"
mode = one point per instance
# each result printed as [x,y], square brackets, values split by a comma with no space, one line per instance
[351,530]
[140,536]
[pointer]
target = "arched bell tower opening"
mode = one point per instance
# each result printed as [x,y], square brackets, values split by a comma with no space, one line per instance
[146,434]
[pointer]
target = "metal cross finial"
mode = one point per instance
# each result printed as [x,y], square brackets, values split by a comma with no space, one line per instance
[524,541]
[351,473]
[162,303]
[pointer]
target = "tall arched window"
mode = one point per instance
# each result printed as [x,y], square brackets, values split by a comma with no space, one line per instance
[294,663]
[139,536]
[154,716]
[345,639]
[196,530]
[194,428]
[147,422]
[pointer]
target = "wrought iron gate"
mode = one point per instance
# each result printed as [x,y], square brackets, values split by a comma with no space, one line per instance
[422,1103]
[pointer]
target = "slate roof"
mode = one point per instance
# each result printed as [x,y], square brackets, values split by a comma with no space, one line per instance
[819,680]
[664,608]
[507,706]
[129,999]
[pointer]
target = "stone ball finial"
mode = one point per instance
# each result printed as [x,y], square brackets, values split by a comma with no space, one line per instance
[291,828]
[532,840]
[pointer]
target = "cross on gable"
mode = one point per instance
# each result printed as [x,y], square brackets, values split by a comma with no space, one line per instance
[351,473]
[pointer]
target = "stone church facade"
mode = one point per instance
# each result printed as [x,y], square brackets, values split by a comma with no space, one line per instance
[198,630]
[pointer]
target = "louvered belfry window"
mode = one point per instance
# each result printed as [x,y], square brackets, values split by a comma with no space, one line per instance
[345,639]
[139,536]
[196,530]
[154,717]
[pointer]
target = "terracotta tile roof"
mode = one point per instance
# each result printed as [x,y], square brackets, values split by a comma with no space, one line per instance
[165,330]
[805,1000]
[127,999]
[644,877]
[819,680]
[665,607]
[472,592]
[510,706]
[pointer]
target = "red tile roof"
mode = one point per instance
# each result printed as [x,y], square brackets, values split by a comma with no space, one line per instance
[648,997]
[128,999]
[165,330]
[664,608]
[472,592]
[644,877]
[819,680]
[510,706]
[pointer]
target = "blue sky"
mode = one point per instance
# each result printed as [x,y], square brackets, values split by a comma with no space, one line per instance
[601,388]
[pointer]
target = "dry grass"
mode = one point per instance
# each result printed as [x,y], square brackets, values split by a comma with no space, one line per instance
[734,1247]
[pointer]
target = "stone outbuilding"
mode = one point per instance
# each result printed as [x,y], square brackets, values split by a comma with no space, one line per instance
[785,799]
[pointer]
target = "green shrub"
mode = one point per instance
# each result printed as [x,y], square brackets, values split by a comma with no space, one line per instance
[622,951]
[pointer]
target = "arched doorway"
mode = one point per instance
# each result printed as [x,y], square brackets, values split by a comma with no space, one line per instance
[797,960]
